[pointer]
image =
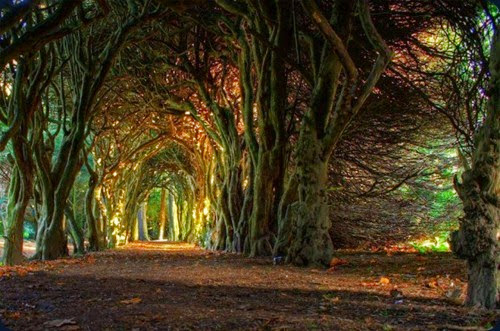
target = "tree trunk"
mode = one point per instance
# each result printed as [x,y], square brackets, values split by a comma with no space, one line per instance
[310,224]
[284,218]
[19,195]
[241,231]
[20,192]
[93,228]
[75,231]
[163,213]
[54,243]
[173,229]
[142,222]
[56,182]
[477,241]
[263,202]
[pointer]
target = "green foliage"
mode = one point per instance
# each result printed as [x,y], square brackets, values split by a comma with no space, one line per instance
[153,213]
[441,203]
[434,191]
[437,244]
[29,231]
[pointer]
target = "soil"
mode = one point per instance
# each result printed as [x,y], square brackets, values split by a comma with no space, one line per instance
[171,286]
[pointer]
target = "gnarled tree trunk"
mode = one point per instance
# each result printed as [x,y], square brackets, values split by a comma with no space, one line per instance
[20,188]
[311,244]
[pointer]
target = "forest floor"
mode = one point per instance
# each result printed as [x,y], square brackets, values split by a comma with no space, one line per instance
[158,286]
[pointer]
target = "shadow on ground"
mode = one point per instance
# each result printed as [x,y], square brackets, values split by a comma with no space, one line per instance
[164,286]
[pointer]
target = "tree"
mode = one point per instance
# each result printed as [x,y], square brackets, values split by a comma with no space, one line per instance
[18,110]
[329,113]
[462,72]
[90,60]
[477,239]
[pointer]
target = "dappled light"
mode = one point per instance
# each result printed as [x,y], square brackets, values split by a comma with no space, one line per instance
[249,164]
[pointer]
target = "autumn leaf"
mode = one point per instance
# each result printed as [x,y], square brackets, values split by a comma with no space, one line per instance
[384,280]
[337,262]
[432,284]
[132,301]
[368,284]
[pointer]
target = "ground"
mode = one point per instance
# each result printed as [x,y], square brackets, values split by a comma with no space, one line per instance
[158,286]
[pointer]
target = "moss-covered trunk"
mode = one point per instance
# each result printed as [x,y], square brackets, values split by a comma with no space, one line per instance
[263,202]
[27,88]
[53,242]
[56,186]
[308,217]
[19,195]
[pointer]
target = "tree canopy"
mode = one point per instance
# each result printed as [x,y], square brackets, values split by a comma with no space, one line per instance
[269,128]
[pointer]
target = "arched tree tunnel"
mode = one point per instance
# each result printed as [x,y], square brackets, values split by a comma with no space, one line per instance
[281,130]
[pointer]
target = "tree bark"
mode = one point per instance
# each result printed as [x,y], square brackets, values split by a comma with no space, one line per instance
[75,231]
[173,228]
[95,236]
[19,196]
[263,202]
[309,219]
[143,222]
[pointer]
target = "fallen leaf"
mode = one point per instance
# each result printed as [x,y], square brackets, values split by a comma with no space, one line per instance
[132,301]
[384,280]
[22,272]
[432,284]
[337,262]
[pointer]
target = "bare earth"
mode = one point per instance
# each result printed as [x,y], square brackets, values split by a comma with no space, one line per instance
[161,286]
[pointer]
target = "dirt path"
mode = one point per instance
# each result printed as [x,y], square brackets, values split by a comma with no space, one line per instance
[158,286]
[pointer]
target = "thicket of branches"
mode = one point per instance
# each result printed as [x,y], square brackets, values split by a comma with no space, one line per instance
[259,123]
